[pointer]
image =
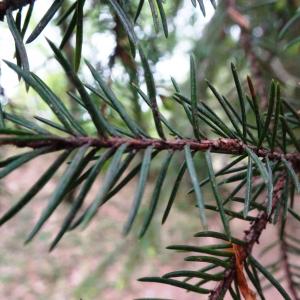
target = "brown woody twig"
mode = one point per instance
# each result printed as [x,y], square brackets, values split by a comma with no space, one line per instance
[221,145]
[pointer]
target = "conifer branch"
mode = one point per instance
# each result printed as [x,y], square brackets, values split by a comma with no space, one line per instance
[221,145]
[251,237]
[259,145]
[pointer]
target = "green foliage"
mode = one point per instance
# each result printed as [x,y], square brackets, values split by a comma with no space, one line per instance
[262,148]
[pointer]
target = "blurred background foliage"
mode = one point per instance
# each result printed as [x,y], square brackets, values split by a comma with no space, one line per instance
[216,40]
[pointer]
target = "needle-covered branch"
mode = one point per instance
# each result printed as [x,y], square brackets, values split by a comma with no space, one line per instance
[221,145]
[251,238]
[113,146]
